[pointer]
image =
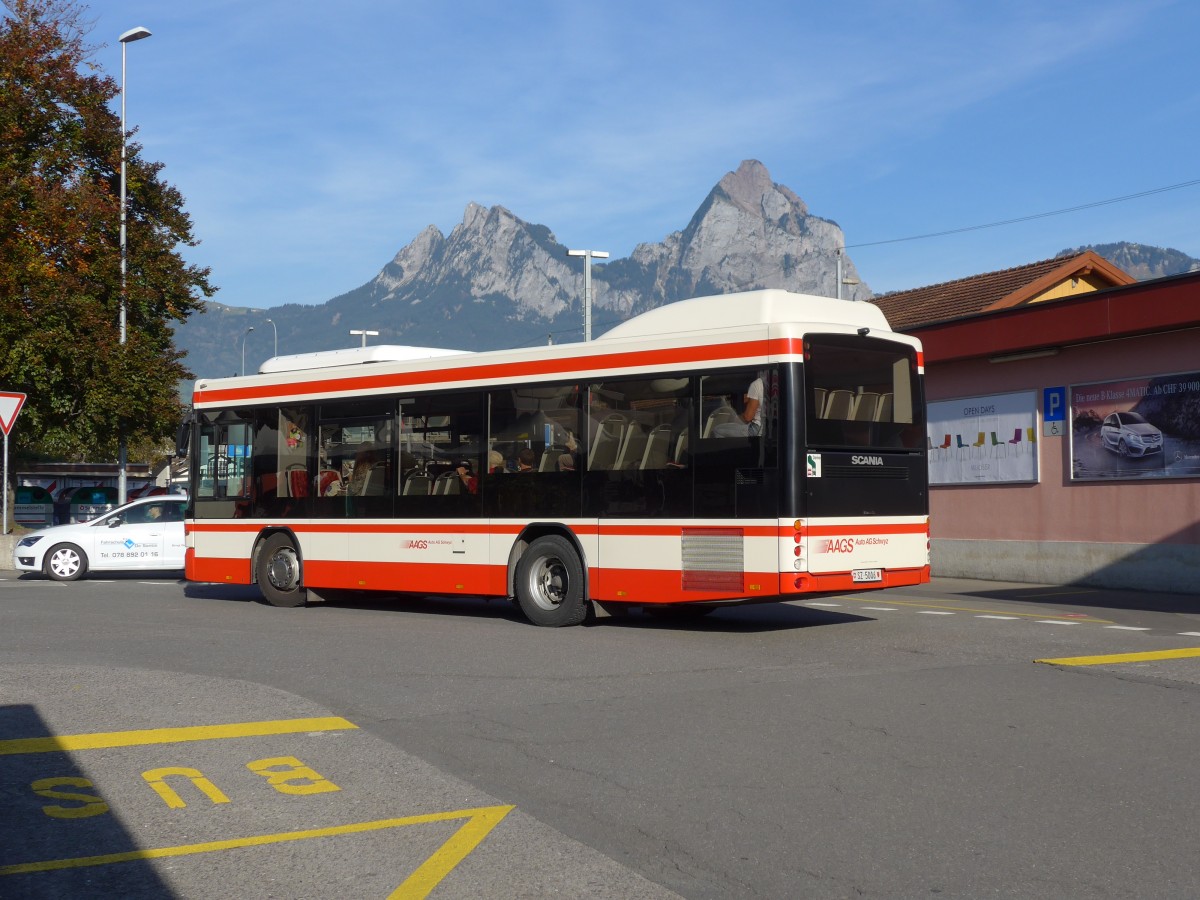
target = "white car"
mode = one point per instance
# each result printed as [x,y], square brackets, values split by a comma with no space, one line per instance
[1129,434]
[144,534]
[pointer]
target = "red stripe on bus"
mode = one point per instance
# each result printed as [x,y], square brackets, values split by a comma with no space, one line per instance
[639,586]
[499,371]
[498,530]
[881,528]
[216,570]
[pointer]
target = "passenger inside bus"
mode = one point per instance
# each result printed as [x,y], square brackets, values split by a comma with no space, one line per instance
[747,423]
[470,484]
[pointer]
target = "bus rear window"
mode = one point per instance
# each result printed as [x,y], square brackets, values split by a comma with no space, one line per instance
[861,392]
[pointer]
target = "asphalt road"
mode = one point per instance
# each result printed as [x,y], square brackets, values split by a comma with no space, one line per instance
[160,739]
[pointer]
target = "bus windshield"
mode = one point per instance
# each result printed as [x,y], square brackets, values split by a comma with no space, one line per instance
[861,393]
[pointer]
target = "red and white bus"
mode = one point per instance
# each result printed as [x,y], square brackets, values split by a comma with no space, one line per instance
[739,448]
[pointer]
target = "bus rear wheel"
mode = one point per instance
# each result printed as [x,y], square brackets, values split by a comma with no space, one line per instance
[549,583]
[277,571]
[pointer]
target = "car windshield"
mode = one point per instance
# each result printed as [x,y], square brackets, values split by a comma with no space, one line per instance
[1132,418]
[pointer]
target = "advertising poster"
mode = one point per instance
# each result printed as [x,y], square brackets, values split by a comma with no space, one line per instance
[1137,428]
[983,439]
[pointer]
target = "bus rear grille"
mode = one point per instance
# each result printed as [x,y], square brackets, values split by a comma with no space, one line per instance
[712,559]
[866,472]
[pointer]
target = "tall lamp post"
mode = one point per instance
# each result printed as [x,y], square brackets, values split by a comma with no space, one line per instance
[133,34]
[588,255]
[276,332]
[364,334]
[246,332]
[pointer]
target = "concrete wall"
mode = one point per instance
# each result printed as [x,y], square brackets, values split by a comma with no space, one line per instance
[1171,568]
[8,543]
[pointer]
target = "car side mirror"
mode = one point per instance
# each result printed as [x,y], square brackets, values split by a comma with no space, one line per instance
[115,521]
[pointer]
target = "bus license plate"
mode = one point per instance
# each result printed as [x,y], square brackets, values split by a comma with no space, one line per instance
[858,575]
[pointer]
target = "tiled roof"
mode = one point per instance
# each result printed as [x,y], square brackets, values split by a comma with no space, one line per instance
[991,290]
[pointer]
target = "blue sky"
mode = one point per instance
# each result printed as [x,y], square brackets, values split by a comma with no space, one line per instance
[314,140]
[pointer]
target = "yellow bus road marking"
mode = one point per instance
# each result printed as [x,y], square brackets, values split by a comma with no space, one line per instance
[431,872]
[1148,656]
[104,740]
[932,605]
[479,822]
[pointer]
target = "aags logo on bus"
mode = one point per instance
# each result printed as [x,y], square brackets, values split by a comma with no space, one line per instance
[839,545]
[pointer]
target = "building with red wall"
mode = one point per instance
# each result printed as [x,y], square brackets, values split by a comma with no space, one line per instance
[1023,369]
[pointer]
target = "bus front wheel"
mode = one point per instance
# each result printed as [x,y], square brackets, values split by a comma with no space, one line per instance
[549,583]
[277,571]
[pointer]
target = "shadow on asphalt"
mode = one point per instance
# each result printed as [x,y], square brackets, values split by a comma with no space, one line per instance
[749,618]
[1093,597]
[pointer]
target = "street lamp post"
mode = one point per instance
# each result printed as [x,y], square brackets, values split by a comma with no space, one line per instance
[588,255]
[364,334]
[276,333]
[133,34]
[246,332]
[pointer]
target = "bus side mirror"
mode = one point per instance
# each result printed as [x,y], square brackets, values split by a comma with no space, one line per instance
[182,439]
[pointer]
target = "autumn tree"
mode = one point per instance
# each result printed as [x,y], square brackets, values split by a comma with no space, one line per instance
[60,266]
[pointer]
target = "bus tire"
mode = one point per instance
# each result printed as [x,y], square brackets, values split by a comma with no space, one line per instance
[549,583]
[66,562]
[277,571]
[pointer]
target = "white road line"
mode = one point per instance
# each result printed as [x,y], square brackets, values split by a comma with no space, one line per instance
[1190,633]
[1005,618]
[1056,622]
[811,603]
[1126,628]
[881,608]
[934,612]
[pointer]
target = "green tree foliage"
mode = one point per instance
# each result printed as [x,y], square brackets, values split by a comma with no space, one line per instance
[60,265]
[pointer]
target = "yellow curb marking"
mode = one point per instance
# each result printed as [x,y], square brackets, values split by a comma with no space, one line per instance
[480,822]
[103,740]
[1182,653]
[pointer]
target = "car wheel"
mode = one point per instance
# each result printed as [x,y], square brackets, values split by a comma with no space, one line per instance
[65,562]
[277,570]
[1123,448]
[549,583]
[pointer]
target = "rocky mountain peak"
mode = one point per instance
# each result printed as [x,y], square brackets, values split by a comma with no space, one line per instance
[751,189]
[498,281]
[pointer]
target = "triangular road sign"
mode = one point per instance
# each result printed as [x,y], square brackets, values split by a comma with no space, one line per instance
[10,405]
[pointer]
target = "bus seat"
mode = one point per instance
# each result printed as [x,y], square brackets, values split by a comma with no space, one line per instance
[883,412]
[658,446]
[373,485]
[447,483]
[819,403]
[297,478]
[840,404]
[722,415]
[418,484]
[549,460]
[607,442]
[865,406]
[633,444]
[681,448]
[326,482]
